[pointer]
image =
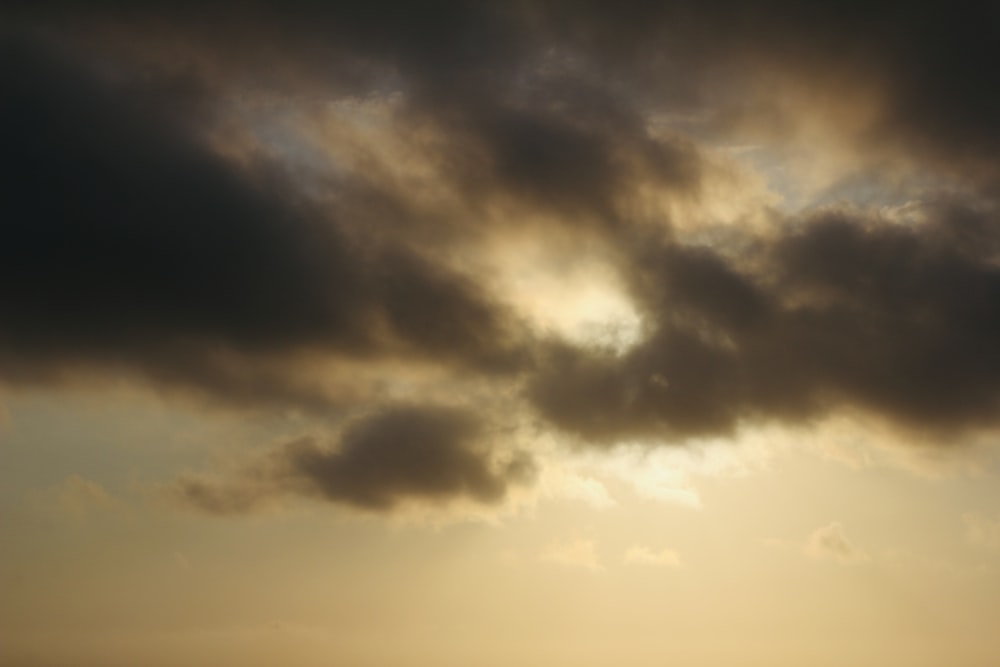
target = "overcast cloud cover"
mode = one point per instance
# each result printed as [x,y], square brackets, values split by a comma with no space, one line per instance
[258,204]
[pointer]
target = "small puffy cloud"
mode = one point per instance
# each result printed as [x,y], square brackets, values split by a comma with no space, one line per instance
[403,454]
[982,531]
[641,555]
[576,553]
[831,543]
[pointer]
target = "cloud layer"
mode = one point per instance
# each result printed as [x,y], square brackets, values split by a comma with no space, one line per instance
[129,243]
[230,200]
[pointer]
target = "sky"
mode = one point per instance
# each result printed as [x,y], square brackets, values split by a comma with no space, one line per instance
[548,333]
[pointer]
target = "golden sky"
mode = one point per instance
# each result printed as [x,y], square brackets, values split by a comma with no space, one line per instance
[540,333]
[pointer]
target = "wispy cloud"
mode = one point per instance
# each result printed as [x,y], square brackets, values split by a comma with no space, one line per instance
[830,542]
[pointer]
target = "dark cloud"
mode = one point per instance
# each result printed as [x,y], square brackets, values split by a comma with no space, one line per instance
[128,242]
[930,65]
[932,61]
[558,144]
[840,310]
[429,455]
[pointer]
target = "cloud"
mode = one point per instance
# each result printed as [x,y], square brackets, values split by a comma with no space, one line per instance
[640,555]
[925,71]
[153,253]
[840,310]
[400,455]
[212,206]
[575,554]
[831,543]
[565,482]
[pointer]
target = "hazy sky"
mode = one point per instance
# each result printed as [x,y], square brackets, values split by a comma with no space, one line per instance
[395,334]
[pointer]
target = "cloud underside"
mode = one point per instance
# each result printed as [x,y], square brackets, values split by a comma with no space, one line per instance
[220,199]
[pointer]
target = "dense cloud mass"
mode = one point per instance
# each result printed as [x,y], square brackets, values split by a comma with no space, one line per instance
[223,198]
[401,454]
[901,320]
[128,242]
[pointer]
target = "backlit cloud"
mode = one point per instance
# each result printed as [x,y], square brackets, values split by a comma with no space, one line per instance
[767,214]
[402,454]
